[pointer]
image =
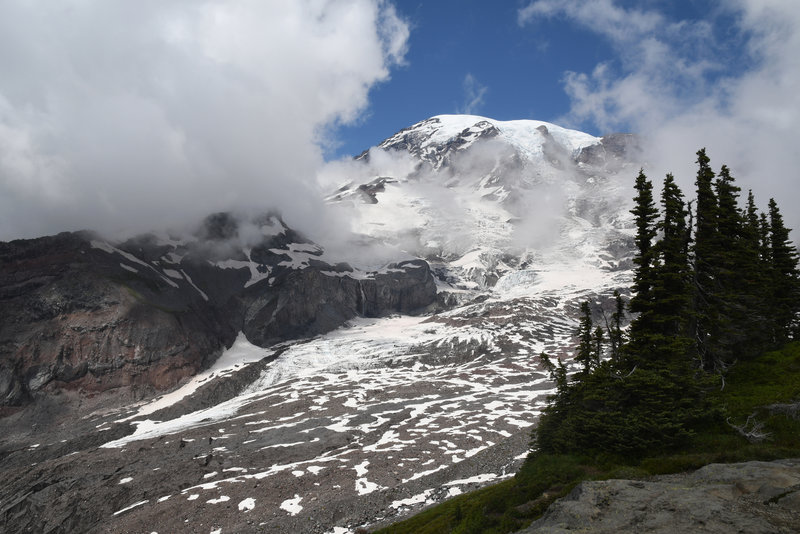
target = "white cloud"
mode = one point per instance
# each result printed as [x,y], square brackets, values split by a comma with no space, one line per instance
[130,115]
[474,93]
[602,16]
[676,83]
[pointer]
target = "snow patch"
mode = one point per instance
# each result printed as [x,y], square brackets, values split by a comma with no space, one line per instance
[131,507]
[364,486]
[411,501]
[292,506]
[247,504]
[477,479]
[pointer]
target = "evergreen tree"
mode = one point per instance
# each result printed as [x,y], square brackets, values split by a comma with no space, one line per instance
[641,302]
[705,255]
[785,277]
[597,346]
[751,231]
[764,231]
[615,333]
[735,277]
[586,348]
[752,285]
[750,226]
[671,280]
[729,220]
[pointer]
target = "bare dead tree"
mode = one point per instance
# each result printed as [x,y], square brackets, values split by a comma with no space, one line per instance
[752,430]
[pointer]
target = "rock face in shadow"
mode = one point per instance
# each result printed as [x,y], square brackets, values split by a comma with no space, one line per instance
[78,313]
[753,497]
[315,300]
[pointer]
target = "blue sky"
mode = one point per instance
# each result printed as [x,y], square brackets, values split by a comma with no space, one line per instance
[515,70]
[473,56]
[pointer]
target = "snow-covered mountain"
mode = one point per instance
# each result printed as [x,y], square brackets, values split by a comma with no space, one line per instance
[489,199]
[518,222]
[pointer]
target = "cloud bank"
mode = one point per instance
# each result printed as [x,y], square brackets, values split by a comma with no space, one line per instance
[728,82]
[127,116]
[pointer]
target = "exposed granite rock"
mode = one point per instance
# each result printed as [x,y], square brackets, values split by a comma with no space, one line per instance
[750,497]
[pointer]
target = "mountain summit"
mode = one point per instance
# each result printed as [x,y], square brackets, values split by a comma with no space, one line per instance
[488,198]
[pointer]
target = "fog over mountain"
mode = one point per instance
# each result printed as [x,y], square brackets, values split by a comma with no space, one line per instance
[124,117]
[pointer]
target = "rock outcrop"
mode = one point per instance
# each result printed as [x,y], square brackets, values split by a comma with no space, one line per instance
[81,314]
[751,497]
[72,316]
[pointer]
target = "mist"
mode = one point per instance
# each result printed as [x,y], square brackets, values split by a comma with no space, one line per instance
[487,194]
[125,117]
[728,83]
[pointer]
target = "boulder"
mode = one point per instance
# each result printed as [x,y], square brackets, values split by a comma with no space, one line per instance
[749,497]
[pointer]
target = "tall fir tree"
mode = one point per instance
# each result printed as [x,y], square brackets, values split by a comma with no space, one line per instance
[645,213]
[785,277]
[734,276]
[615,332]
[753,284]
[704,255]
[672,279]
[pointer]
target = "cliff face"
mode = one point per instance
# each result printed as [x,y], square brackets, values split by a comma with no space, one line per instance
[71,317]
[80,314]
[314,301]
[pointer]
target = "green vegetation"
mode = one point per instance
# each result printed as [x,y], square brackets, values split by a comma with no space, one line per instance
[692,382]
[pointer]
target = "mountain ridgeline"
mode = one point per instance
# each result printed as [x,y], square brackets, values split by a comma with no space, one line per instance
[153,383]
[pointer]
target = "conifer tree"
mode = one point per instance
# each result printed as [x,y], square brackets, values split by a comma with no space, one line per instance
[671,279]
[597,346]
[765,249]
[641,302]
[615,334]
[752,284]
[751,228]
[705,254]
[586,349]
[734,277]
[785,277]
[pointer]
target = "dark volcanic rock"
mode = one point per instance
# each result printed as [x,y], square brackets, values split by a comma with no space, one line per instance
[72,316]
[613,149]
[313,301]
[77,313]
